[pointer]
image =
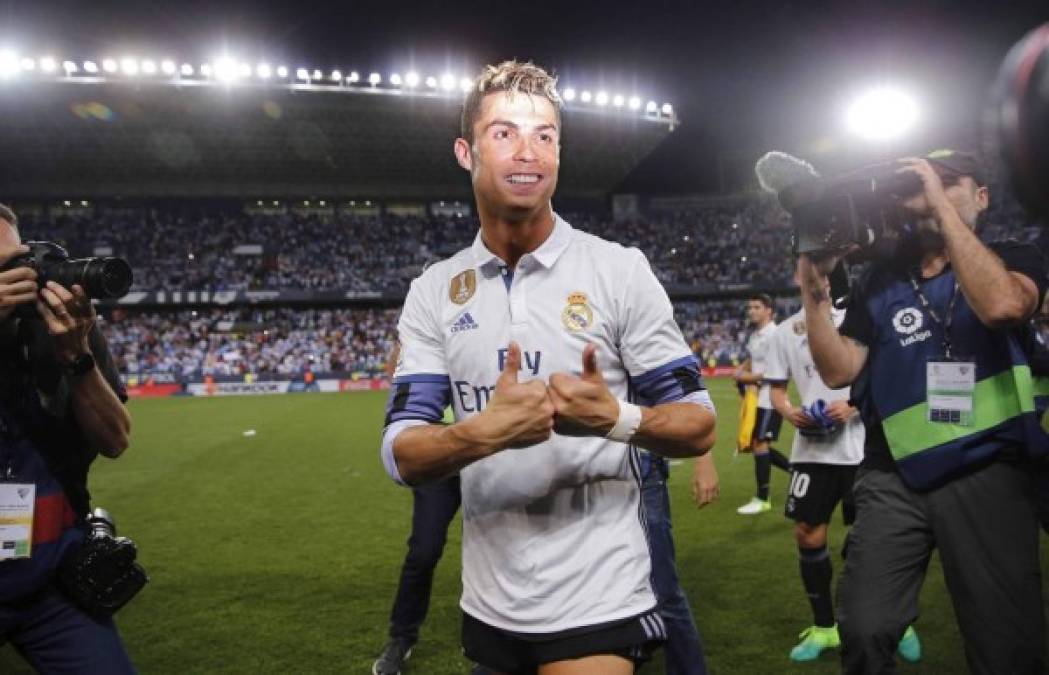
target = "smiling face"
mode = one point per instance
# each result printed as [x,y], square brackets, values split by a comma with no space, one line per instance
[515,154]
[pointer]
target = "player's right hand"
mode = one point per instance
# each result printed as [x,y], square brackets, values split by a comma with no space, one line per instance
[18,285]
[520,413]
[799,419]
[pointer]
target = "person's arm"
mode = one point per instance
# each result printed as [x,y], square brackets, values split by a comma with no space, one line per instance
[781,403]
[99,412]
[838,359]
[744,374]
[998,296]
[706,486]
[518,415]
[778,374]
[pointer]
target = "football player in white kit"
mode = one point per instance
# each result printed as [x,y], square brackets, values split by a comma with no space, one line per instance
[559,354]
[767,422]
[828,446]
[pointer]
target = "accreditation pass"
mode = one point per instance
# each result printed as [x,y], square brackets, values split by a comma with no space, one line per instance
[16,519]
[950,386]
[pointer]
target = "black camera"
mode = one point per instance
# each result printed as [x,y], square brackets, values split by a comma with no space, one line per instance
[101,278]
[856,209]
[1020,118]
[102,575]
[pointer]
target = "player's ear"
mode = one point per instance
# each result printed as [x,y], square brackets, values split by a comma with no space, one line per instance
[464,154]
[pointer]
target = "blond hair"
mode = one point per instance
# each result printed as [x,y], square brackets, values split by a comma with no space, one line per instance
[512,77]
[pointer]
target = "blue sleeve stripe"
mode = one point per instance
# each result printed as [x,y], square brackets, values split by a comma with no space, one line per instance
[422,377]
[774,380]
[669,382]
[424,401]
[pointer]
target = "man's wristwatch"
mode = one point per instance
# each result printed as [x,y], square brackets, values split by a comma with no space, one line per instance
[81,365]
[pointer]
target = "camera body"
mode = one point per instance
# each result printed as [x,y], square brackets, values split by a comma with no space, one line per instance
[102,575]
[101,278]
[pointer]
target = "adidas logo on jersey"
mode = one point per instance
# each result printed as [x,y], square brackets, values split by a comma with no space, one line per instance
[464,322]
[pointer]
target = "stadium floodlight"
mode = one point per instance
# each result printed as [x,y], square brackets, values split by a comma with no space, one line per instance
[69,67]
[129,66]
[8,64]
[282,71]
[109,65]
[48,65]
[585,96]
[263,71]
[225,69]
[466,84]
[206,70]
[668,110]
[431,82]
[618,100]
[374,79]
[395,79]
[568,94]
[336,76]
[317,75]
[652,107]
[881,114]
[244,70]
[28,64]
[601,98]
[447,82]
[167,66]
[302,74]
[411,79]
[634,103]
[149,67]
[186,70]
[90,67]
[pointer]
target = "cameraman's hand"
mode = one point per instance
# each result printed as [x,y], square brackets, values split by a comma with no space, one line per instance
[520,413]
[934,197]
[17,286]
[69,316]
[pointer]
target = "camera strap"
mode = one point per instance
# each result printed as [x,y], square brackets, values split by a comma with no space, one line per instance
[944,323]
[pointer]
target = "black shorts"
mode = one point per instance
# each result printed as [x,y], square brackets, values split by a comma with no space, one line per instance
[766,425]
[522,653]
[816,489]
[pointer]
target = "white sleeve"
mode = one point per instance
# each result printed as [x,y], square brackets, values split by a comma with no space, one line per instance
[422,342]
[777,363]
[649,337]
[389,435]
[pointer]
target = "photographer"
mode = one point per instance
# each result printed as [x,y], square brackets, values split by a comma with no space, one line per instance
[931,346]
[60,405]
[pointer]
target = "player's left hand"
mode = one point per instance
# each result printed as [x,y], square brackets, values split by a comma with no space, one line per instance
[840,411]
[69,316]
[583,406]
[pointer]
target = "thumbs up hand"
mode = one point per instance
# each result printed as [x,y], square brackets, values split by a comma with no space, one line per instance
[583,405]
[519,414]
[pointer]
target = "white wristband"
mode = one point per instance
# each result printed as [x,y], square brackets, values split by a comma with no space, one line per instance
[628,423]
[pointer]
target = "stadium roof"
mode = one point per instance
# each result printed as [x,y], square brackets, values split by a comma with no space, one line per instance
[73,137]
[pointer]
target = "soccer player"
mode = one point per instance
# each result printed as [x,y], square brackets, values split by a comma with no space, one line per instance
[827,448]
[532,334]
[767,422]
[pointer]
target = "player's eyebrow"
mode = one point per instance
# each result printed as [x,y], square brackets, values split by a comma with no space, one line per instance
[512,125]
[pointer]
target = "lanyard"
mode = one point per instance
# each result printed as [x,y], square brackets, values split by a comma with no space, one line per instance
[931,311]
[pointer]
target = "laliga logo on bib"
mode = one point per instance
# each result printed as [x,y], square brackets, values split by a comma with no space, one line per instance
[907,321]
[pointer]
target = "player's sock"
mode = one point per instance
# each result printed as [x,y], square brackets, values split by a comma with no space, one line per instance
[762,474]
[779,460]
[816,574]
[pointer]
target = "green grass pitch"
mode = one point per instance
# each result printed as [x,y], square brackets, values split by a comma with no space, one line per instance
[279,552]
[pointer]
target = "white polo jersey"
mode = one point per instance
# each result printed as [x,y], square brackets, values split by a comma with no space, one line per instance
[758,350]
[553,537]
[789,358]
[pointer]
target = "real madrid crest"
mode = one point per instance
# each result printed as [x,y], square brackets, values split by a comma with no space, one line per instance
[577,315]
[463,286]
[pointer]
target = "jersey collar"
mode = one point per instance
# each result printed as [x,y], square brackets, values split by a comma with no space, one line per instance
[546,255]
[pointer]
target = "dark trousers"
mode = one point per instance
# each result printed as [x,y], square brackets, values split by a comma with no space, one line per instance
[683,648]
[55,636]
[985,528]
[434,506]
